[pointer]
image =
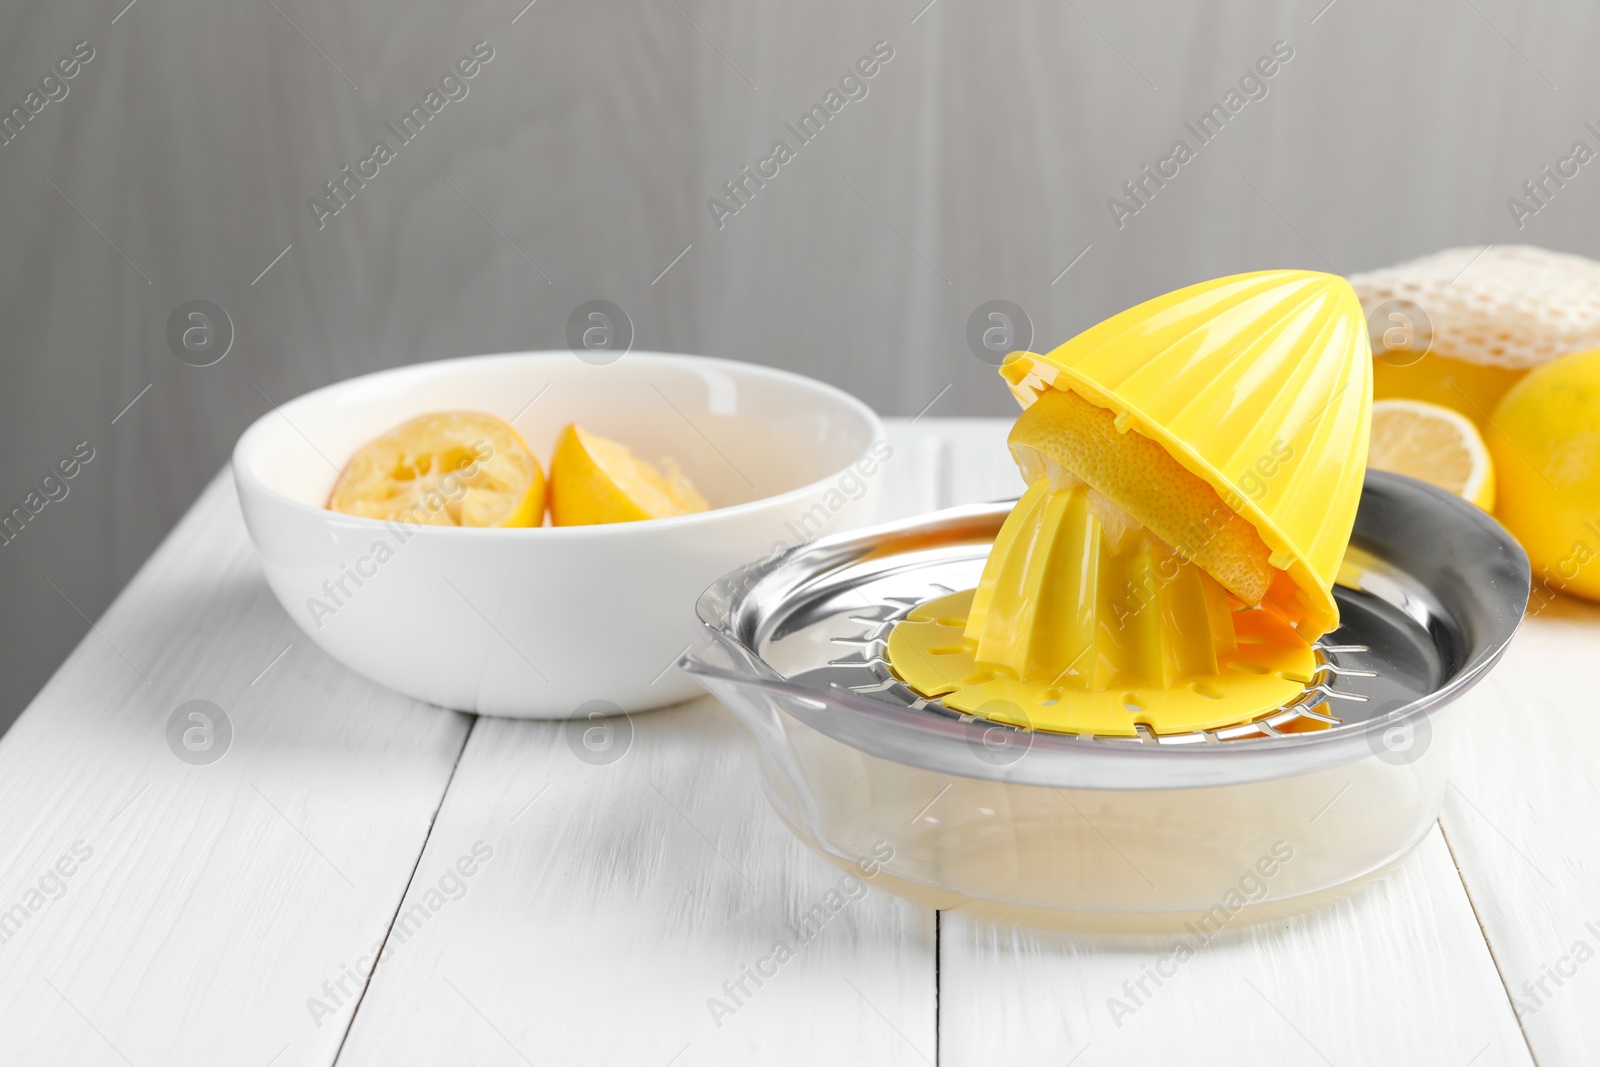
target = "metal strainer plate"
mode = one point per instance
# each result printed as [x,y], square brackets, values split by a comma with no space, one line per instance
[1431,591]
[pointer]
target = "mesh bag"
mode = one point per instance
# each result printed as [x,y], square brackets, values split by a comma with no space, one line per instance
[1512,306]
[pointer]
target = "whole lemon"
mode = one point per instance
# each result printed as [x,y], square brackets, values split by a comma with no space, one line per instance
[1545,440]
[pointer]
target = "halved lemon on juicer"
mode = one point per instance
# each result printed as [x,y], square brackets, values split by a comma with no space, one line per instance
[1193,468]
[596,480]
[446,468]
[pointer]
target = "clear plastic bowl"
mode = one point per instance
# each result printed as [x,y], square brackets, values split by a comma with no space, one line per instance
[1156,833]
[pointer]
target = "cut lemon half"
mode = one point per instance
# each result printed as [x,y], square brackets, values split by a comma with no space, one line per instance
[1435,444]
[446,468]
[595,480]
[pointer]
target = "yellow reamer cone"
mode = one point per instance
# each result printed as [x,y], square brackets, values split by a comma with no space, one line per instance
[1194,466]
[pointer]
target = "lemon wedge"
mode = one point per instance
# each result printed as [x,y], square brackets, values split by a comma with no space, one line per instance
[596,480]
[1435,444]
[446,468]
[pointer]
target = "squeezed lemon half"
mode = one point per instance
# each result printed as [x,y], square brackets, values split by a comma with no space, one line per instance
[1062,432]
[446,468]
[596,480]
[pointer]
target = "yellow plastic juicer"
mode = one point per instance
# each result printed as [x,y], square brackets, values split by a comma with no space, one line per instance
[1193,469]
[1201,673]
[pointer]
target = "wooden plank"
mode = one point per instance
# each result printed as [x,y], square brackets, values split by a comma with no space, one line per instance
[205,903]
[619,911]
[1523,819]
[621,897]
[1400,975]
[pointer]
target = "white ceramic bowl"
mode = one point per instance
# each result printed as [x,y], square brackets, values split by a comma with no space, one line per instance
[543,622]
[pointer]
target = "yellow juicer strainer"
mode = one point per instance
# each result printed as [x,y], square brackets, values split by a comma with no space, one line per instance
[1194,467]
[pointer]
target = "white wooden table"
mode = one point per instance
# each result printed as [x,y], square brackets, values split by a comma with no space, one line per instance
[226,913]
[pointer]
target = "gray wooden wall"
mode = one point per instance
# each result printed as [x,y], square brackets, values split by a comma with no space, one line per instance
[977,166]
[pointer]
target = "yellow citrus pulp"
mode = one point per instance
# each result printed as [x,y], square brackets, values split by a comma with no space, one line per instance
[1436,444]
[1545,440]
[446,468]
[595,480]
